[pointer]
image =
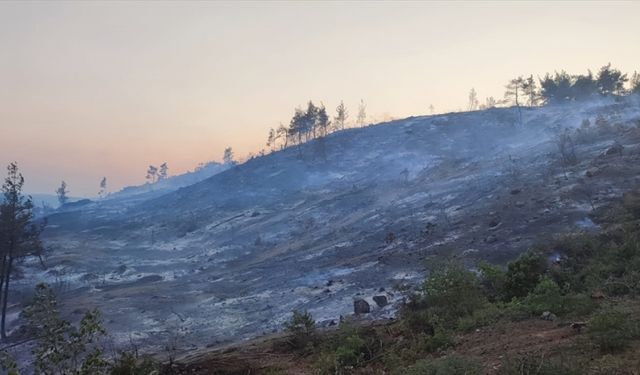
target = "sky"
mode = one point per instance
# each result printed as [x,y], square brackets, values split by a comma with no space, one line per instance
[93,89]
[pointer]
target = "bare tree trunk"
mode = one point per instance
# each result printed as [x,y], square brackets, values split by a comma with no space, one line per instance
[4,263]
[5,297]
[519,109]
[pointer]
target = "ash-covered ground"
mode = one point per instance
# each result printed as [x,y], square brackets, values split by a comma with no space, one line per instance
[363,212]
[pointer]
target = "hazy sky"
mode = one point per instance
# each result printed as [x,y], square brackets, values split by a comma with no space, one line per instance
[92,89]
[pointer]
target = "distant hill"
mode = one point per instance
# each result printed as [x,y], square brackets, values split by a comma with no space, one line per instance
[148,191]
[50,200]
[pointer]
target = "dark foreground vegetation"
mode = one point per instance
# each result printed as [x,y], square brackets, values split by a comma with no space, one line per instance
[569,306]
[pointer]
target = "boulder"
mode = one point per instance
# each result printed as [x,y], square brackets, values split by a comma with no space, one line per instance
[361,306]
[494,222]
[548,315]
[615,149]
[380,300]
[491,239]
[592,172]
[597,295]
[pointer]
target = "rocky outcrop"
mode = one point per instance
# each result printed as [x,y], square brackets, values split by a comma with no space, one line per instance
[361,306]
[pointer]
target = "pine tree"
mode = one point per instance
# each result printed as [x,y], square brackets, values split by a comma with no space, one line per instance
[362,113]
[103,188]
[556,89]
[584,86]
[322,121]
[310,121]
[530,91]
[283,133]
[271,139]
[152,174]
[227,156]
[611,81]
[163,172]
[514,93]
[635,83]
[62,348]
[473,100]
[341,116]
[62,193]
[19,236]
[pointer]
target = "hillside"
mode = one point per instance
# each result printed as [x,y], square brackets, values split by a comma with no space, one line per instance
[360,213]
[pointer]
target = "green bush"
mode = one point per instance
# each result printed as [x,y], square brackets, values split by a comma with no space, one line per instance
[546,296]
[62,347]
[349,348]
[440,341]
[419,321]
[301,328]
[485,316]
[449,365]
[524,274]
[611,331]
[453,292]
[351,351]
[128,364]
[492,279]
[530,364]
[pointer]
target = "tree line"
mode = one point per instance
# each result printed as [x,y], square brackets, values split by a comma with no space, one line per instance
[561,87]
[313,122]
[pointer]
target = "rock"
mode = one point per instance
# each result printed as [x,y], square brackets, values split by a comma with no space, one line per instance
[469,252]
[578,326]
[494,222]
[380,300]
[491,239]
[381,290]
[615,149]
[592,172]
[121,269]
[515,191]
[597,295]
[361,306]
[548,315]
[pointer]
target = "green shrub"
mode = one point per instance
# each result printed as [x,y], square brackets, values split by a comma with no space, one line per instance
[453,292]
[351,351]
[611,331]
[8,364]
[128,364]
[516,310]
[524,274]
[546,296]
[349,348]
[440,341]
[301,328]
[530,364]
[485,316]
[449,365]
[492,279]
[419,321]
[62,347]
[326,364]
